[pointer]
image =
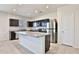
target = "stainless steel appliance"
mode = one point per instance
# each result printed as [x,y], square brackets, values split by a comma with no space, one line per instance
[53,30]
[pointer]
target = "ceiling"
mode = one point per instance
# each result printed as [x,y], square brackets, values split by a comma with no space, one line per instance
[29,10]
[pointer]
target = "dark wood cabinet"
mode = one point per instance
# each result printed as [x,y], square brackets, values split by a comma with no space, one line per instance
[14,22]
[30,24]
[47,42]
[12,35]
[42,23]
[39,23]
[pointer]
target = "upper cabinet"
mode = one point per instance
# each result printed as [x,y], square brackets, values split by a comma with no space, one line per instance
[38,23]
[14,22]
[30,24]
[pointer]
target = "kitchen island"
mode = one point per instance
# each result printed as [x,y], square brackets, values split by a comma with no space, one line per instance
[36,42]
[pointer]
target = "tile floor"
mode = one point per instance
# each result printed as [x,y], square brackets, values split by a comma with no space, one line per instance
[13,47]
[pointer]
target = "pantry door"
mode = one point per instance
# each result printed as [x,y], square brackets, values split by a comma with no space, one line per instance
[68,28]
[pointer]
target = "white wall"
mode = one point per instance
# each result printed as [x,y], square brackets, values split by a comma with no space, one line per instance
[4,27]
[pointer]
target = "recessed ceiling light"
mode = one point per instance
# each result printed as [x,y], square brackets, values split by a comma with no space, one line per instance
[20,4]
[47,6]
[14,9]
[36,11]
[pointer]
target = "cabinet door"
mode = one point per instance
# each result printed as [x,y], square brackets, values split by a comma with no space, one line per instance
[30,24]
[77,28]
[68,28]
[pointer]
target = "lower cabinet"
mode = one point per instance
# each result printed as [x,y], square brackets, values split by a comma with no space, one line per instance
[13,35]
[35,44]
[47,42]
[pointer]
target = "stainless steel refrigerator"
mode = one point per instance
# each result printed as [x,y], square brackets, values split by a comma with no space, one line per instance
[53,31]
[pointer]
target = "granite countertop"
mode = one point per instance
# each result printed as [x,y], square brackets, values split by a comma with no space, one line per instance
[34,34]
